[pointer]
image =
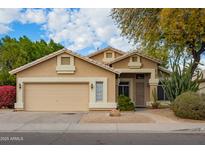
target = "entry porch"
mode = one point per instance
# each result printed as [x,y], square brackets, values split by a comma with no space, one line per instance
[138,86]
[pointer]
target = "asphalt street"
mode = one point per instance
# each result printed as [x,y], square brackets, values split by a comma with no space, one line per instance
[30,138]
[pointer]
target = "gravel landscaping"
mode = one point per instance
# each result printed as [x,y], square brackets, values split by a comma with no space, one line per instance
[170,114]
[139,116]
[126,117]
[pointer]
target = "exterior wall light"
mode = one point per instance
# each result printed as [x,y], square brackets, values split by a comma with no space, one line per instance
[91,86]
[19,86]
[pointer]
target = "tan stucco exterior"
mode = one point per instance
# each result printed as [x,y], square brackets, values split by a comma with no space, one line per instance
[39,78]
[144,66]
[202,87]
[100,56]
[132,77]
[145,63]
[83,69]
[117,55]
[35,80]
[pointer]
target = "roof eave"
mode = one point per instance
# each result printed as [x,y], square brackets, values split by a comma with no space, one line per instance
[21,68]
[26,66]
[164,70]
[130,54]
[102,50]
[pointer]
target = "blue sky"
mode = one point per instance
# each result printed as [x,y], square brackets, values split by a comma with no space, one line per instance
[33,31]
[81,30]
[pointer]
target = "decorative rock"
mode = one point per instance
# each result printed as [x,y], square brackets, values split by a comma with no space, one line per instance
[115,113]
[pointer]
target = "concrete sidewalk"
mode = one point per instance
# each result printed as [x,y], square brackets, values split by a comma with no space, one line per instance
[135,128]
[104,128]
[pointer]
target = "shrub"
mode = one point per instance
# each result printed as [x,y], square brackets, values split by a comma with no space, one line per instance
[181,79]
[189,105]
[7,96]
[125,104]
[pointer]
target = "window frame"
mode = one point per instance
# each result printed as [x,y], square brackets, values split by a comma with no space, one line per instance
[136,58]
[110,53]
[123,86]
[164,94]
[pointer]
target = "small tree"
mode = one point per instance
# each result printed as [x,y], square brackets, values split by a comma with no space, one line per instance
[160,31]
[179,80]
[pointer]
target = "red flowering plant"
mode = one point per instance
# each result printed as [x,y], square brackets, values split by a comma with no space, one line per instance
[7,96]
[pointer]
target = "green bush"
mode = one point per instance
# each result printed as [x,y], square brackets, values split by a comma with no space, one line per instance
[125,103]
[189,105]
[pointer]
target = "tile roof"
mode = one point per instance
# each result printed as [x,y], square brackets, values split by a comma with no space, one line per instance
[64,50]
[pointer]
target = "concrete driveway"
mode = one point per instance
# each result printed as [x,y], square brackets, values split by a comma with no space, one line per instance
[51,122]
[37,121]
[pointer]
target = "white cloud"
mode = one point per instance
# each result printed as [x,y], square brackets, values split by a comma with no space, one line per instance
[78,29]
[37,16]
[86,28]
[4,29]
[7,16]
[57,20]
[121,43]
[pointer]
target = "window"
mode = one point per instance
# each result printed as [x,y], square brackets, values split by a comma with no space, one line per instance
[99,91]
[65,60]
[108,55]
[124,89]
[161,95]
[135,59]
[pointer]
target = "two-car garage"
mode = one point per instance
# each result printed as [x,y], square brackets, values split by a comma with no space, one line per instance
[56,96]
[64,82]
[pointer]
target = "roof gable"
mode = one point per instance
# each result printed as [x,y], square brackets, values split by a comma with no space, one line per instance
[64,50]
[106,49]
[135,53]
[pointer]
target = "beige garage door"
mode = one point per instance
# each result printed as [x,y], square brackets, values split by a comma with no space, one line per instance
[56,97]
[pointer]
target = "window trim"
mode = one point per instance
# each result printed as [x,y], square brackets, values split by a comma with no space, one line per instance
[135,64]
[62,69]
[105,59]
[138,59]
[131,86]
[164,95]
[128,85]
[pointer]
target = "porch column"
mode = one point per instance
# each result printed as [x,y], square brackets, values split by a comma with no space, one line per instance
[19,105]
[153,85]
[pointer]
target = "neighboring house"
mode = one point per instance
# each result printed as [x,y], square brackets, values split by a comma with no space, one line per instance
[66,81]
[202,84]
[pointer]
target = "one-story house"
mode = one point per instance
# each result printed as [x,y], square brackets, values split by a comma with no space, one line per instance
[67,81]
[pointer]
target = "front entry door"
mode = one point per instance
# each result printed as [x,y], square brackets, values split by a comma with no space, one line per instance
[140,95]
